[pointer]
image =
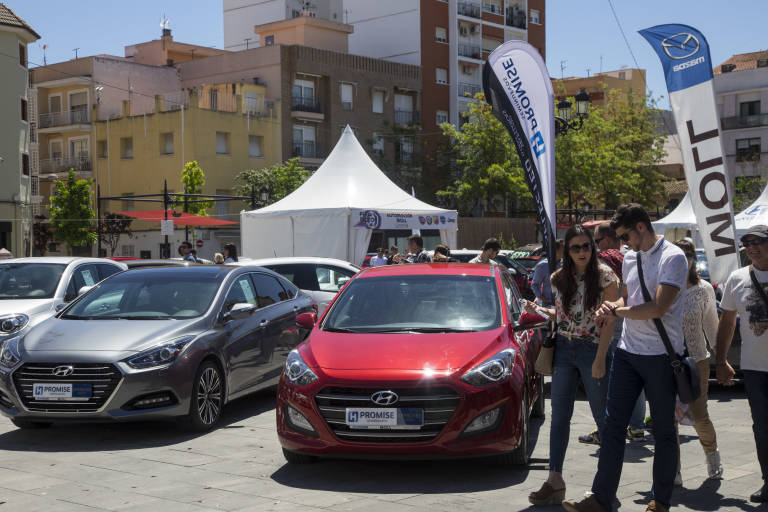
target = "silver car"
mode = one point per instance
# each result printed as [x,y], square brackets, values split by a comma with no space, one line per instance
[154,343]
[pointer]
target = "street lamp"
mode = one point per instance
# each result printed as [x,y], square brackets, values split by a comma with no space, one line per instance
[564,121]
[264,194]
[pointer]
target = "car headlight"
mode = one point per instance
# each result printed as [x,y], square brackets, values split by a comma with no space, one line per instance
[297,371]
[491,371]
[9,354]
[161,355]
[13,323]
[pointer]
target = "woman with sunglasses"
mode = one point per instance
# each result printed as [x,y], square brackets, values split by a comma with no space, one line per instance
[700,330]
[579,288]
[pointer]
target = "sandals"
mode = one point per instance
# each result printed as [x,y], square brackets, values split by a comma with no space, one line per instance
[547,495]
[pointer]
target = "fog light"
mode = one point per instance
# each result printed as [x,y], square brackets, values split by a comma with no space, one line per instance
[152,401]
[484,422]
[296,419]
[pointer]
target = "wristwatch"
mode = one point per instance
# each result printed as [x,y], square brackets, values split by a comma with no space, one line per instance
[613,311]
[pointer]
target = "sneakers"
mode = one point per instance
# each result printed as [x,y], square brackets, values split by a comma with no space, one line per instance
[589,504]
[678,479]
[635,435]
[760,496]
[547,495]
[591,438]
[655,506]
[714,467]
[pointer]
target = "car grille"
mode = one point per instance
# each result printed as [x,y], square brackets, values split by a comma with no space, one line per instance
[439,404]
[102,377]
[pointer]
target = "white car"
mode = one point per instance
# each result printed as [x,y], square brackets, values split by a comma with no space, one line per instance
[320,278]
[32,289]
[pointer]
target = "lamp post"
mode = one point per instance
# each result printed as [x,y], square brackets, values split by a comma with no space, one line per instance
[264,194]
[564,120]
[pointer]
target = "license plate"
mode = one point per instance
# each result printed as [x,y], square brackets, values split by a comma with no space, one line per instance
[384,418]
[61,391]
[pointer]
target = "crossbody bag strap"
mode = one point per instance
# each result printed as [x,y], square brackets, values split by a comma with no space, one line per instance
[758,286]
[659,324]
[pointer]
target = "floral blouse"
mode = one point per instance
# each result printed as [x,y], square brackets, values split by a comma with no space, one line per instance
[576,322]
[699,319]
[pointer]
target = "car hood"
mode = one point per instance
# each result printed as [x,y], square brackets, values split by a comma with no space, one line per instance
[59,335]
[407,351]
[29,307]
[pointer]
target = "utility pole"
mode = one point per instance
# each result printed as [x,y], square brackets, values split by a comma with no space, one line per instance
[562,68]
[75,50]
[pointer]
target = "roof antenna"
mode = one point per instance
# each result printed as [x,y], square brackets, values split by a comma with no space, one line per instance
[75,50]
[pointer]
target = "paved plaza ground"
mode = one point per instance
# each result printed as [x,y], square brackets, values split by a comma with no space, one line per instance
[154,466]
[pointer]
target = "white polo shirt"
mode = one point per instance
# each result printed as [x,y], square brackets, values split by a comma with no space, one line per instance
[664,263]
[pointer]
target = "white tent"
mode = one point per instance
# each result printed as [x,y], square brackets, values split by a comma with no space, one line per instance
[333,213]
[756,213]
[677,223]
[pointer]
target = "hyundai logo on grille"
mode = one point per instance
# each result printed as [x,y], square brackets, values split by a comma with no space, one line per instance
[63,371]
[384,397]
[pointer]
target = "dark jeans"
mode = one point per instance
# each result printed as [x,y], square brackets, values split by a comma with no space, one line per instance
[572,362]
[756,384]
[637,421]
[630,374]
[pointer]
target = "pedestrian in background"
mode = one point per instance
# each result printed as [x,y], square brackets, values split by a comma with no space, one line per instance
[416,252]
[218,258]
[580,286]
[745,295]
[186,252]
[442,254]
[393,251]
[641,360]
[491,248]
[379,259]
[540,283]
[230,253]
[699,330]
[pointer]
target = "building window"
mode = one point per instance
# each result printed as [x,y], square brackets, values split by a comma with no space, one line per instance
[304,141]
[78,106]
[441,35]
[55,149]
[378,143]
[24,111]
[166,143]
[490,44]
[54,103]
[23,54]
[749,108]
[126,147]
[404,154]
[441,75]
[127,251]
[269,41]
[347,93]
[252,102]
[493,6]
[748,150]
[25,164]
[441,117]
[378,102]
[101,148]
[622,75]
[222,143]
[535,17]
[254,145]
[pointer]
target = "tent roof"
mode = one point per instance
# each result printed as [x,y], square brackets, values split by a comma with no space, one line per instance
[347,179]
[178,218]
[680,217]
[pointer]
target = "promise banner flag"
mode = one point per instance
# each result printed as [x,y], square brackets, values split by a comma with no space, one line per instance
[684,54]
[517,86]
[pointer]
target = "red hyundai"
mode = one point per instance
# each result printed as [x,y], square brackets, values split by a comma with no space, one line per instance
[422,361]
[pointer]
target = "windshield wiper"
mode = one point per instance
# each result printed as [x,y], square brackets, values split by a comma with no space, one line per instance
[422,330]
[340,329]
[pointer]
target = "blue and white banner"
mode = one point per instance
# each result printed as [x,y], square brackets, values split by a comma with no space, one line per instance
[684,54]
[517,85]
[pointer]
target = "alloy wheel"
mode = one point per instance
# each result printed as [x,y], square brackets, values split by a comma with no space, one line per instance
[209,395]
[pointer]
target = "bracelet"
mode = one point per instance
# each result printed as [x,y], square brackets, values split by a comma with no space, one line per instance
[613,311]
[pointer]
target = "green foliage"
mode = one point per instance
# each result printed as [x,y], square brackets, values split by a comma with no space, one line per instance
[71,211]
[745,190]
[280,180]
[485,156]
[192,181]
[508,244]
[113,226]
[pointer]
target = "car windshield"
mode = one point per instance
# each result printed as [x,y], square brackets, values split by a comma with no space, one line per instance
[148,295]
[431,303]
[29,280]
[702,267]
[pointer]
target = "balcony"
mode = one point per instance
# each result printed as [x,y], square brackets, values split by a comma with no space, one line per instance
[470,50]
[63,165]
[66,118]
[516,19]
[405,155]
[406,117]
[492,8]
[737,122]
[305,149]
[470,9]
[305,104]
[469,90]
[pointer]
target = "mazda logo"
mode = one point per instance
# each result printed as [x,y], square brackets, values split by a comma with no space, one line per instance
[63,371]
[681,46]
[384,398]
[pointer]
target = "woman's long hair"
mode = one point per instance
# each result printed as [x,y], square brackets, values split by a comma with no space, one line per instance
[690,252]
[565,278]
[231,251]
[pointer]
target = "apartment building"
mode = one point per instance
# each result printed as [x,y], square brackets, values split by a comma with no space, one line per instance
[623,80]
[741,91]
[18,147]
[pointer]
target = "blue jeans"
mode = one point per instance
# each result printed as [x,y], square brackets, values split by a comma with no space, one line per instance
[756,384]
[573,361]
[630,374]
[637,420]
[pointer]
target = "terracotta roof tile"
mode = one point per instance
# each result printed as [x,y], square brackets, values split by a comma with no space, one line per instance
[743,61]
[11,19]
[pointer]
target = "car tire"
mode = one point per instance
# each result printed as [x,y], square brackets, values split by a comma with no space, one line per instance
[30,425]
[519,457]
[539,409]
[207,399]
[298,458]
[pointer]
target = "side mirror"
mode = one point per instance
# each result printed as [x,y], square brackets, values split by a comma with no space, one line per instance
[530,322]
[83,290]
[240,310]
[342,281]
[306,320]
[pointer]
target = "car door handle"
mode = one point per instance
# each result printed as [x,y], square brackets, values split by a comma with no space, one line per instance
[263,323]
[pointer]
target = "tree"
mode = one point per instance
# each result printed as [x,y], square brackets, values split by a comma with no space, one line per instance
[192,181]
[280,179]
[112,227]
[486,160]
[745,190]
[71,211]
[42,235]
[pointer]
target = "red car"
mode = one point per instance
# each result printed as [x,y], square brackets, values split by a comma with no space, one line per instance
[422,361]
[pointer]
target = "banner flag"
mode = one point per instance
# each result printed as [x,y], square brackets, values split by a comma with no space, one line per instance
[517,86]
[684,55]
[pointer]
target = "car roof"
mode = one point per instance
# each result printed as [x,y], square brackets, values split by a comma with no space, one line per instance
[451,269]
[203,270]
[65,260]
[159,263]
[295,259]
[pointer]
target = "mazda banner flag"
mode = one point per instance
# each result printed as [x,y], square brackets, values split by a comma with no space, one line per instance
[517,86]
[684,55]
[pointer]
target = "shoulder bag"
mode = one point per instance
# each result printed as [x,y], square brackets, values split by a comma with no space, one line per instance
[545,360]
[758,286]
[684,368]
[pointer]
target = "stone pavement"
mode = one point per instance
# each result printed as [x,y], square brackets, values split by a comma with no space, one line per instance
[145,466]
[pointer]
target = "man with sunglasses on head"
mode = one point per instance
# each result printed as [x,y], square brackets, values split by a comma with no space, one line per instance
[745,295]
[641,361]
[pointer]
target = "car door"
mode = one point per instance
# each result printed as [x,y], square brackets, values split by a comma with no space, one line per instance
[304,277]
[85,274]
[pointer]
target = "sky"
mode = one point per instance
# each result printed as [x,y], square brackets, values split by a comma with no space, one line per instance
[583,33]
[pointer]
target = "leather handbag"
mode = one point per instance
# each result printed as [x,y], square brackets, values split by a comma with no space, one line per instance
[545,360]
[684,368]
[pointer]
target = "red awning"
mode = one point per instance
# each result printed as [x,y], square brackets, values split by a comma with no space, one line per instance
[178,218]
